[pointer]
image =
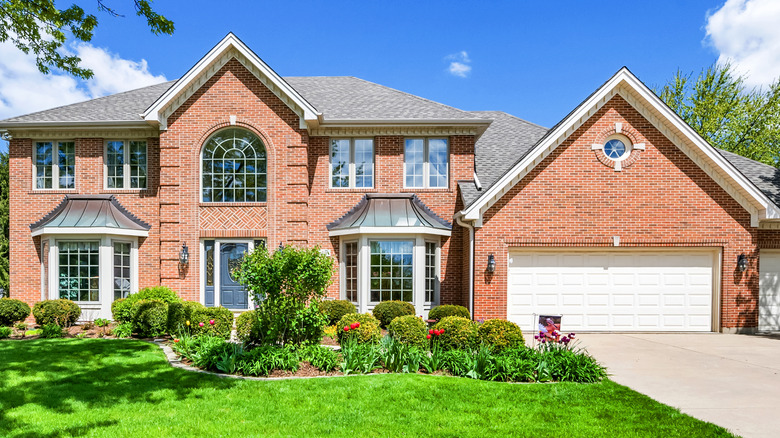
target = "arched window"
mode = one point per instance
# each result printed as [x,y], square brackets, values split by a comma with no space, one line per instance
[234,167]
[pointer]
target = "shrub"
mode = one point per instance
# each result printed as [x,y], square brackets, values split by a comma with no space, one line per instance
[122,310]
[21,326]
[440,312]
[123,330]
[289,285]
[367,333]
[459,333]
[387,311]
[500,334]
[335,309]
[61,312]
[212,321]
[5,332]
[102,322]
[208,351]
[179,313]
[150,318]
[12,311]
[248,328]
[410,330]
[51,331]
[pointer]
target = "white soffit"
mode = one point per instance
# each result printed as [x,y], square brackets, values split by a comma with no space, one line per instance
[630,88]
[230,47]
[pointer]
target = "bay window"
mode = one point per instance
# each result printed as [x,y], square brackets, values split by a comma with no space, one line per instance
[391,271]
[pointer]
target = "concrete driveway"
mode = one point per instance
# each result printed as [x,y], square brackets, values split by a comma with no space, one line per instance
[730,380]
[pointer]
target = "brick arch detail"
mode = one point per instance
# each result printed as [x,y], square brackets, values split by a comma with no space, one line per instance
[626,131]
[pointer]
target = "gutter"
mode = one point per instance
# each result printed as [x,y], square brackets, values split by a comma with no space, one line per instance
[471,261]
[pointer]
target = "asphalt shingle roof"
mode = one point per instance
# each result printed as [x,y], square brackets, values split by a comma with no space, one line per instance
[763,176]
[338,98]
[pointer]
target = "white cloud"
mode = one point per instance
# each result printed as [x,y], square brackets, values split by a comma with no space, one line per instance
[23,89]
[746,33]
[460,64]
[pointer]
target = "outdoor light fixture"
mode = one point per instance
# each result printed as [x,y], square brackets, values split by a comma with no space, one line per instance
[184,254]
[491,267]
[742,262]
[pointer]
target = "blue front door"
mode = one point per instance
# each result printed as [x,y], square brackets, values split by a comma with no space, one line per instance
[232,294]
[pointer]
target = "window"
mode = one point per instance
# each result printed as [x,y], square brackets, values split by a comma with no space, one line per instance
[121,270]
[426,162]
[79,270]
[391,270]
[126,164]
[351,271]
[234,167]
[51,174]
[352,163]
[430,272]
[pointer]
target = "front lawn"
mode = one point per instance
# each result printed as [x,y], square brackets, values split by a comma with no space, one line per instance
[103,387]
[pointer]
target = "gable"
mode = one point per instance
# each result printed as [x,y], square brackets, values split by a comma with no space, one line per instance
[661,117]
[229,48]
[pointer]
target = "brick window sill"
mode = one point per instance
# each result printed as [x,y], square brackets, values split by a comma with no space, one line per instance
[112,191]
[53,192]
[233,204]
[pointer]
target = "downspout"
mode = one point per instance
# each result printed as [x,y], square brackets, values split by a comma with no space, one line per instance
[471,262]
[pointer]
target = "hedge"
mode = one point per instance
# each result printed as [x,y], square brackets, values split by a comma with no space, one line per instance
[410,330]
[61,312]
[367,333]
[178,315]
[387,311]
[459,333]
[446,310]
[12,311]
[335,309]
[500,334]
[150,318]
[216,321]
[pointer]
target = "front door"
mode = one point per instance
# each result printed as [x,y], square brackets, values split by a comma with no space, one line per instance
[232,294]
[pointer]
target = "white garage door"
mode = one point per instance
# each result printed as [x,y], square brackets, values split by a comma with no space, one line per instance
[614,290]
[769,295]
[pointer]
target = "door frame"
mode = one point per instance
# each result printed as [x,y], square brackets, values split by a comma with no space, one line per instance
[250,241]
[715,251]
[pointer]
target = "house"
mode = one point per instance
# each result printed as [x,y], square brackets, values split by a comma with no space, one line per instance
[619,218]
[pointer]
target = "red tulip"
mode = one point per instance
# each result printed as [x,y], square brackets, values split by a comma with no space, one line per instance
[441,332]
[431,331]
[346,329]
[211,322]
[175,340]
[200,324]
[357,325]
[428,336]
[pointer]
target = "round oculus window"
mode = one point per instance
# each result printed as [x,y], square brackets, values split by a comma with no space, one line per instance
[615,149]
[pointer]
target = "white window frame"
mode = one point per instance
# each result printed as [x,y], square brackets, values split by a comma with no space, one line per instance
[352,175]
[126,165]
[426,163]
[436,274]
[102,307]
[250,241]
[343,270]
[418,269]
[55,165]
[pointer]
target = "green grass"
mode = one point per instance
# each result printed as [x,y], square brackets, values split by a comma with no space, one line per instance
[101,387]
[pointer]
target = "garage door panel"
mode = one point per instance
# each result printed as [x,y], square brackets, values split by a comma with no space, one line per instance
[769,291]
[614,290]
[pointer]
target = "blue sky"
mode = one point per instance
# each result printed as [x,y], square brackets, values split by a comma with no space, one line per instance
[536,60]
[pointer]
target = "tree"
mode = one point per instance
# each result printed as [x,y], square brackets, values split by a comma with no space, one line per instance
[4,222]
[721,108]
[38,27]
[289,284]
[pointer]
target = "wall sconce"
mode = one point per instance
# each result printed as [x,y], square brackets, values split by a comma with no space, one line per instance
[184,254]
[491,266]
[742,262]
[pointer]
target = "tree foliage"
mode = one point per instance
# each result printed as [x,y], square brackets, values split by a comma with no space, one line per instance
[289,284]
[4,264]
[725,112]
[40,28]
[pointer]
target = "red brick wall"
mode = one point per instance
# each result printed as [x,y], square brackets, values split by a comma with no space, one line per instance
[298,207]
[661,199]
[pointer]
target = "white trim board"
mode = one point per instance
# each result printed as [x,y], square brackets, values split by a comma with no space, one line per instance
[230,47]
[628,86]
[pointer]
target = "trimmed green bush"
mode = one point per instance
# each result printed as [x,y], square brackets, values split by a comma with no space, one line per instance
[335,309]
[5,332]
[122,309]
[122,330]
[221,317]
[446,310]
[12,311]
[367,333]
[410,330]
[178,315]
[459,333]
[248,327]
[150,318]
[387,311]
[61,312]
[500,334]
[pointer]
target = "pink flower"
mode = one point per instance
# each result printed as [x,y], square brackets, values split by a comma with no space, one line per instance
[211,322]
[200,324]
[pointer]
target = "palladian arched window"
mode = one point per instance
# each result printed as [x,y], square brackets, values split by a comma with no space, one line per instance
[234,167]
